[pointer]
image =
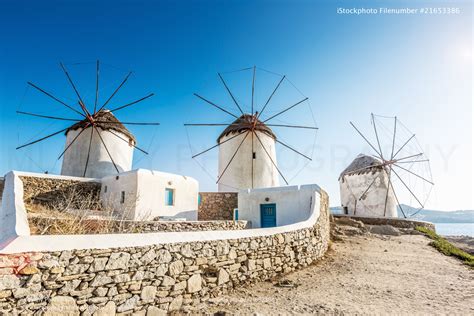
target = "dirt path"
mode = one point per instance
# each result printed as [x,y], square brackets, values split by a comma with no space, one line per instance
[365,275]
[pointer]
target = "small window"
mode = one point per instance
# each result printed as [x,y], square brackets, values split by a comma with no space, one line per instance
[346,210]
[254,155]
[105,189]
[169,196]
[122,197]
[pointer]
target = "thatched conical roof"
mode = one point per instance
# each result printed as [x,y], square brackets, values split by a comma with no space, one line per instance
[106,121]
[362,164]
[244,123]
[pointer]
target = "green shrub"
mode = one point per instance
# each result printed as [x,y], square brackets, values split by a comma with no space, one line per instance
[445,247]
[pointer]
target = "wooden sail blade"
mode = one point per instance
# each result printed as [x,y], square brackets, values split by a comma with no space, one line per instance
[132,103]
[116,90]
[409,190]
[215,105]
[125,140]
[55,99]
[231,95]
[128,123]
[206,124]
[106,149]
[233,156]
[396,198]
[389,183]
[292,126]
[411,172]
[72,142]
[271,159]
[88,152]
[287,146]
[370,144]
[217,145]
[407,157]
[285,110]
[271,96]
[96,90]
[377,136]
[413,161]
[48,117]
[394,133]
[75,89]
[253,87]
[43,138]
[368,188]
[409,139]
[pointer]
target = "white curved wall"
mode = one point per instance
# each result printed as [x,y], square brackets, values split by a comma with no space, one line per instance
[100,164]
[373,204]
[239,173]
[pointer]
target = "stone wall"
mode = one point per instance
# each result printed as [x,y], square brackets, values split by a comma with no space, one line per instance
[217,205]
[53,226]
[158,278]
[392,221]
[55,193]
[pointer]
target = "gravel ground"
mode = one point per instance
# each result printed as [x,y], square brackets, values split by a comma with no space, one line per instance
[363,274]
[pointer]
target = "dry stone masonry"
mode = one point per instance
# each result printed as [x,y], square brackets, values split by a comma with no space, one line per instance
[217,205]
[153,279]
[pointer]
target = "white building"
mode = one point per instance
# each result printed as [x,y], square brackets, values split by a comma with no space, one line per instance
[363,187]
[117,138]
[252,165]
[146,194]
[278,206]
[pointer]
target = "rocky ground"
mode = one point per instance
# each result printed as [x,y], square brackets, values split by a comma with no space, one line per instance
[369,270]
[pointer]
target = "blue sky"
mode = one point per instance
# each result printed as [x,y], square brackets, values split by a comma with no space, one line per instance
[417,67]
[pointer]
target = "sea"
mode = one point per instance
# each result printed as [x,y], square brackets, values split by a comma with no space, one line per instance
[455,229]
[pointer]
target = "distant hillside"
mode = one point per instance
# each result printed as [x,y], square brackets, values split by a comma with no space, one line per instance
[462,216]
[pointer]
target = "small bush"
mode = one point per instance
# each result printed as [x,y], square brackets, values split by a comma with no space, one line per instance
[445,247]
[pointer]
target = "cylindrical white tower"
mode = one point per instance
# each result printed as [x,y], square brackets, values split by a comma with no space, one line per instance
[364,189]
[118,142]
[252,165]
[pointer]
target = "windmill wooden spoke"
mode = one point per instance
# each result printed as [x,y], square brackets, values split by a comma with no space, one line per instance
[207,124]
[406,186]
[271,96]
[72,142]
[287,109]
[292,126]
[370,144]
[269,156]
[116,90]
[96,90]
[417,155]
[403,146]
[413,161]
[416,175]
[233,156]
[394,133]
[132,103]
[106,149]
[48,117]
[125,140]
[55,99]
[253,87]
[389,183]
[377,137]
[217,145]
[232,96]
[128,123]
[215,105]
[367,190]
[364,168]
[396,198]
[88,152]
[74,87]
[43,138]
[293,149]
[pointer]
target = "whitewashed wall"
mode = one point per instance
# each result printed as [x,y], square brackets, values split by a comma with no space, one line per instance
[239,173]
[145,194]
[352,188]
[100,164]
[293,203]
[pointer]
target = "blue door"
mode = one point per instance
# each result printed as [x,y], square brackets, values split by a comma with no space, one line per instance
[268,215]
